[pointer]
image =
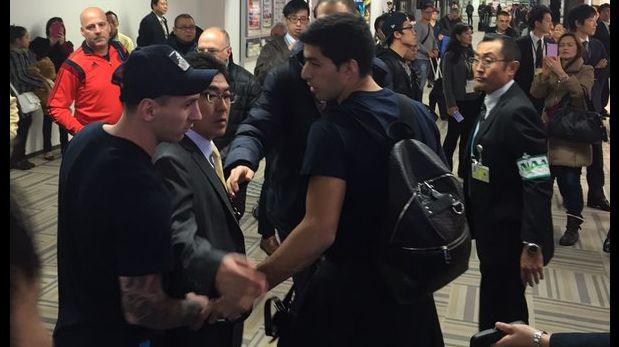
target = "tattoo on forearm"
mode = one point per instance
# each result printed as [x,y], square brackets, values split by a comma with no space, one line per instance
[144,303]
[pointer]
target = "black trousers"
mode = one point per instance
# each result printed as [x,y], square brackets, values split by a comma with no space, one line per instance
[47,135]
[469,19]
[595,173]
[605,93]
[501,296]
[469,110]
[19,143]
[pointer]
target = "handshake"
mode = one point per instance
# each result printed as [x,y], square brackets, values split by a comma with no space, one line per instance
[239,285]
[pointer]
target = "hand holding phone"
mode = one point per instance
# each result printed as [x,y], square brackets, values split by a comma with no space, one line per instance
[552,50]
[487,337]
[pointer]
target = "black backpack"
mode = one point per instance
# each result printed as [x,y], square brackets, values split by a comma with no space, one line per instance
[425,242]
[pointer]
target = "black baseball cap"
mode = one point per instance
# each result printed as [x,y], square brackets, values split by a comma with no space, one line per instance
[393,23]
[159,70]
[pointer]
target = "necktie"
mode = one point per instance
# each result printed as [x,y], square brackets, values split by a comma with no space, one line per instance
[164,23]
[216,161]
[539,56]
[585,45]
[481,119]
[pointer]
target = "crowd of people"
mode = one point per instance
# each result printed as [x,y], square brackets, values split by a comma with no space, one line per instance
[167,135]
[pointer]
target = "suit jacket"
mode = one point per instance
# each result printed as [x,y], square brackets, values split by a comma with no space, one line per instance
[602,34]
[509,210]
[204,229]
[596,53]
[150,31]
[524,75]
[580,339]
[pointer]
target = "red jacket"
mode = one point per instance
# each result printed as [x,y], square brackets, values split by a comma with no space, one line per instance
[86,79]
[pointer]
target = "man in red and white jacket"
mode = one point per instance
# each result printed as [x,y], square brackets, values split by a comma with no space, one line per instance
[86,77]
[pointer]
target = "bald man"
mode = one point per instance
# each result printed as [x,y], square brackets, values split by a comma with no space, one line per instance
[85,78]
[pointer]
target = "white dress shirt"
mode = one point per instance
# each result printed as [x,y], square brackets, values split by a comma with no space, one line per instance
[490,101]
[534,47]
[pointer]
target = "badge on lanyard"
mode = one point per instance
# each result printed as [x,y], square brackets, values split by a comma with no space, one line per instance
[531,168]
[478,170]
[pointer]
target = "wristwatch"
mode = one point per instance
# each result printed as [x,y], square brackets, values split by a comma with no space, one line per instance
[532,248]
[537,337]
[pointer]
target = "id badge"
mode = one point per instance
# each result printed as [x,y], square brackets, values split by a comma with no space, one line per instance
[531,168]
[539,71]
[470,86]
[480,172]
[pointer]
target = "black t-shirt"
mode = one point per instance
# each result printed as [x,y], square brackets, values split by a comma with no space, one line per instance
[114,216]
[338,146]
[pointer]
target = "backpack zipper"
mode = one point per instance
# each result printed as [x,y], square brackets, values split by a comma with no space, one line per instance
[444,249]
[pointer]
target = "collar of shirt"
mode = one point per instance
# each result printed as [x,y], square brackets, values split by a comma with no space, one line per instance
[585,40]
[289,40]
[205,146]
[493,98]
[535,38]
[158,17]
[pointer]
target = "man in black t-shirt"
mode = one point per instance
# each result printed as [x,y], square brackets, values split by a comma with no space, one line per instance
[345,303]
[114,213]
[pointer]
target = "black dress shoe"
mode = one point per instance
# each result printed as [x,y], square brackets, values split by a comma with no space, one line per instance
[600,204]
[22,165]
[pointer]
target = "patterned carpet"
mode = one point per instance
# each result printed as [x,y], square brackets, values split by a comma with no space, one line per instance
[575,295]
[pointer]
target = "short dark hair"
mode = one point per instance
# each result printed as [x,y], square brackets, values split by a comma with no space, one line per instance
[454,44]
[204,60]
[153,3]
[603,7]
[183,16]
[131,107]
[378,23]
[341,37]
[509,48]
[579,14]
[536,14]
[503,13]
[17,32]
[295,6]
[110,13]
[350,5]
[51,21]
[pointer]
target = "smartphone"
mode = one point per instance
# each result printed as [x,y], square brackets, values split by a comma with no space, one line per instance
[489,336]
[56,29]
[552,50]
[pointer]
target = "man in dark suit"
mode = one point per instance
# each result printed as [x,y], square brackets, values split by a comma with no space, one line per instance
[508,186]
[533,50]
[582,21]
[602,33]
[154,26]
[206,238]
[503,19]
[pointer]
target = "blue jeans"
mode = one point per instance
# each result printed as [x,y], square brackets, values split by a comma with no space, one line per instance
[568,180]
[421,68]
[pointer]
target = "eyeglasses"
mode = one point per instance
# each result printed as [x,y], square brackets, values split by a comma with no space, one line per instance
[295,19]
[193,27]
[486,62]
[227,97]
[211,50]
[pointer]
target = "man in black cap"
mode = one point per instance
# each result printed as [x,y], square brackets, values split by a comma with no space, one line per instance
[114,212]
[400,38]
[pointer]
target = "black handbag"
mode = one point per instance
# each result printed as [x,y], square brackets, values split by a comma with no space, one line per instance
[574,124]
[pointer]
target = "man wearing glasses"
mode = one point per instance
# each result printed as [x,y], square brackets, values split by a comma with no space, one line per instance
[508,188]
[207,241]
[183,37]
[400,38]
[276,51]
[243,84]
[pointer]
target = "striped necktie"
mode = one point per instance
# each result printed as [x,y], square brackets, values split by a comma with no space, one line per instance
[216,161]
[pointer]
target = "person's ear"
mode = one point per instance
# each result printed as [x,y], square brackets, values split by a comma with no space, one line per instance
[147,109]
[512,68]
